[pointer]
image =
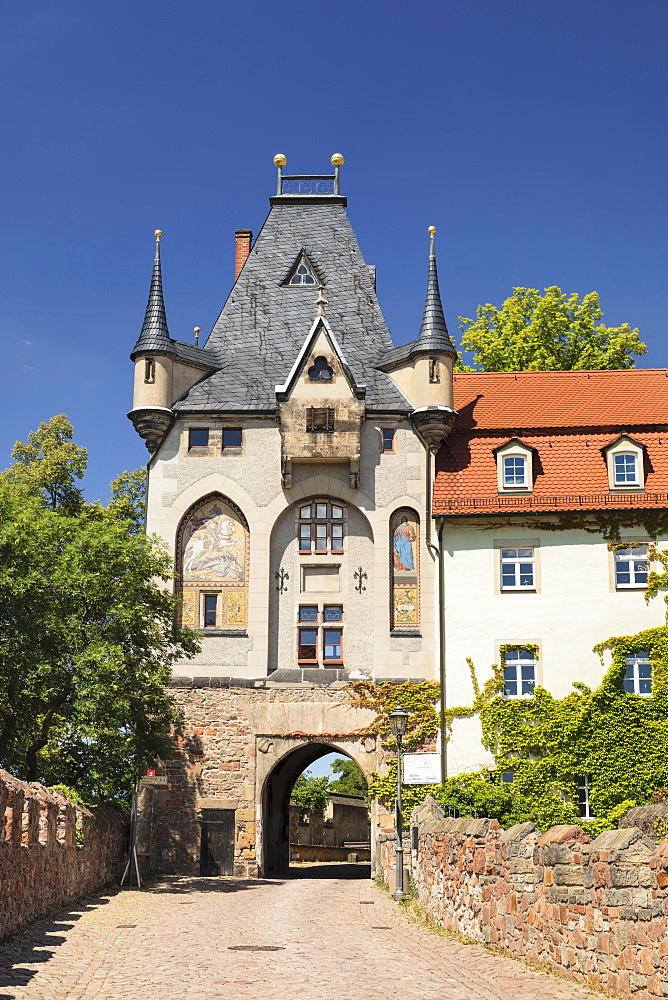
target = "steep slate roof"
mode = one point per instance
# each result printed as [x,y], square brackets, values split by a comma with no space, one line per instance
[264,322]
[568,418]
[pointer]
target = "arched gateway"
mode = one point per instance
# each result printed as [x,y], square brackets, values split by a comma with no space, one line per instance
[284,760]
[290,478]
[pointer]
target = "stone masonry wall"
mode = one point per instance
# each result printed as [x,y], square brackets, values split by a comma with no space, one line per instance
[42,868]
[594,910]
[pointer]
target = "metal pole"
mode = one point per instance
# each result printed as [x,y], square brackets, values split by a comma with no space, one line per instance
[399,893]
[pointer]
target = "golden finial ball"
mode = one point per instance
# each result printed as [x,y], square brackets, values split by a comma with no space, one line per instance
[337,160]
[280,160]
[431,230]
[158,234]
[197,329]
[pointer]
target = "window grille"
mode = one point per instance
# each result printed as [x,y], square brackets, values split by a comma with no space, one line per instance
[320,419]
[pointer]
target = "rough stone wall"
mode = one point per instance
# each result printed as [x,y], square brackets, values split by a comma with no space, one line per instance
[594,910]
[42,867]
[231,739]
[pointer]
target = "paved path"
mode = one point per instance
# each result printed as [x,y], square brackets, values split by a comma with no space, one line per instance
[190,939]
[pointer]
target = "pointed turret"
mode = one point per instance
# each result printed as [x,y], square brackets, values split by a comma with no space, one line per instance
[154,334]
[434,334]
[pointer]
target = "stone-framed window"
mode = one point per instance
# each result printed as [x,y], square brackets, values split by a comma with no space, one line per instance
[631,566]
[519,672]
[198,437]
[320,527]
[638,673]
[320,634]
[514,464]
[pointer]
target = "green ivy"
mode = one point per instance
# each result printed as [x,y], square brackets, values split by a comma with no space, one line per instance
[619,740]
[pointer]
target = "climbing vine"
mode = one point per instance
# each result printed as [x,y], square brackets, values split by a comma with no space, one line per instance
[617,739]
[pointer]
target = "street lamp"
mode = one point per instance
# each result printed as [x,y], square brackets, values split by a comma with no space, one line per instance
[398,720]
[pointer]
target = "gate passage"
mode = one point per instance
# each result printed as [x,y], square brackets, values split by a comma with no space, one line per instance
[217,843]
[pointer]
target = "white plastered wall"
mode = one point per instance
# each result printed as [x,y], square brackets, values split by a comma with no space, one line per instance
[574,609]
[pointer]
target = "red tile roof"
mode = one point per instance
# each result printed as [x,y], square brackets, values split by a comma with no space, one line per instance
[567,417]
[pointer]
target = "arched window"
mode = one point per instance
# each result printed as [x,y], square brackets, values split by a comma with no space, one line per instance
[320,526]
[405,569]
[212,564]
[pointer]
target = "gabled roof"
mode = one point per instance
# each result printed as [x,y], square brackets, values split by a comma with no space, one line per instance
[263,324]
[569,419]
[319,324]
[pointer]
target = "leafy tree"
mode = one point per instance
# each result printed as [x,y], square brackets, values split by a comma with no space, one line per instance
[51,463]
[351,781]
[310,794]
[550,332]
[128,498]
[87,628]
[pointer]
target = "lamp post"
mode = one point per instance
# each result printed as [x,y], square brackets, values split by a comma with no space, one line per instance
[398,720]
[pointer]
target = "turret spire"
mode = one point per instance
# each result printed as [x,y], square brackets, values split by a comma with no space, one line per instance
[154,332]
[433,330]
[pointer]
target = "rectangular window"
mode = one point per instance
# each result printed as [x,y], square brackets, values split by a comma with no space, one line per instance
[507,777]
[584,807]
[638,675]
[519,673]
[514,471]
[320,419]
[304,537]
[626,469]
[388,439]
[332,645]
[198,437]
[308,613]
[308,645]
[333,613]
[321,537]
[434,374]
[631,567]
[149,370]
[517,569]
[337,537]
[210,610]
[231,437]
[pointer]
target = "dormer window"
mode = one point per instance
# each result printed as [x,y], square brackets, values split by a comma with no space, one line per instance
[514,463]
[625,465]
[302,273]
[320,371]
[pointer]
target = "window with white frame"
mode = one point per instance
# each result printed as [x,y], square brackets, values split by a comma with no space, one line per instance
[514,470]
[584,805]
[518,570]
[519,672]
[514,462]
[631,567]
[625,459]
[638,674]
[625,465]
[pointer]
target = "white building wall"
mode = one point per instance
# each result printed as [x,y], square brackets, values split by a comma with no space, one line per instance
[575,607]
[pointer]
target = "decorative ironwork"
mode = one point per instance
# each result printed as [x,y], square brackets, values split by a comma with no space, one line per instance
[309,184]
[281,575]
[320,419]
[360,576]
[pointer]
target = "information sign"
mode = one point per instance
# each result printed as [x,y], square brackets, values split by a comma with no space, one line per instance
[421,769]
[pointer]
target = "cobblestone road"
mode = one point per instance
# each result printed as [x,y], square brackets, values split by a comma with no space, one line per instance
[192,939]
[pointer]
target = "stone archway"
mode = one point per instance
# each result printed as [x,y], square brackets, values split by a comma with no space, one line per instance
[280,762]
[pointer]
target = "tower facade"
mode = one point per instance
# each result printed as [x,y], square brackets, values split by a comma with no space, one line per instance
[290,478]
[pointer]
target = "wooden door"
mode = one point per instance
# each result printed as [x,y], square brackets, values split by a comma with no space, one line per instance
[217,845]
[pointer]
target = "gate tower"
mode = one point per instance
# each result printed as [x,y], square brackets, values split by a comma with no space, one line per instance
[290,476]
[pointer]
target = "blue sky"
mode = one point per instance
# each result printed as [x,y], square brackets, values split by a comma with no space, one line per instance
[531,134]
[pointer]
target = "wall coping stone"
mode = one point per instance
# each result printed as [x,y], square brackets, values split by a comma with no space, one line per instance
[517,832]
[617,840]
[562,834]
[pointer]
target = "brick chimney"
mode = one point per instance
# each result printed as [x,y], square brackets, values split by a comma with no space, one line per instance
[244,238]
